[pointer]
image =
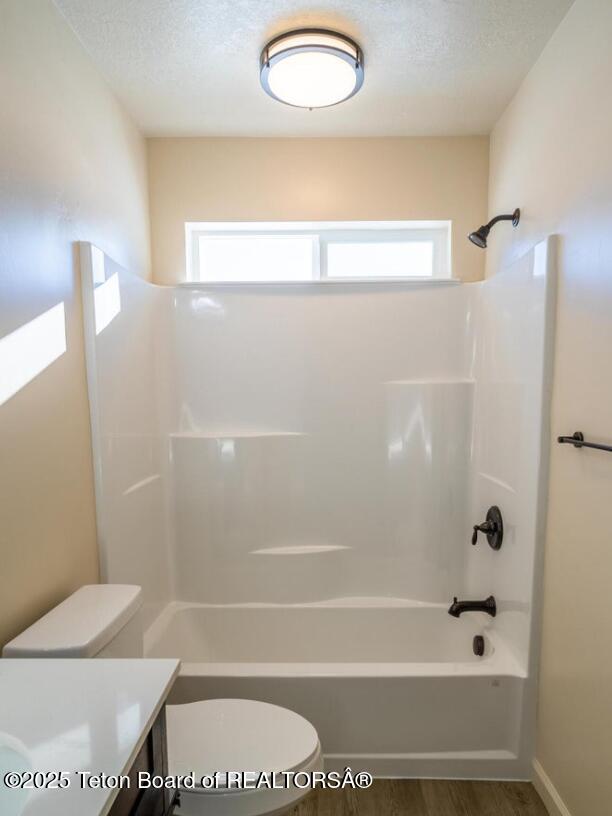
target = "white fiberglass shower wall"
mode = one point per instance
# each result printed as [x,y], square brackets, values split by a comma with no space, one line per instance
[317,433]
[292,473]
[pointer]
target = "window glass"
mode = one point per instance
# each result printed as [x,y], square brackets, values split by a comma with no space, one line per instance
[397,259]
[299,252]
[252,258]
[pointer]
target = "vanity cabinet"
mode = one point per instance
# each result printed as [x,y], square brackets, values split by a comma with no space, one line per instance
[152,758]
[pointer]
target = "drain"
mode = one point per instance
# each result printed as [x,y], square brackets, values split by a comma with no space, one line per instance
[478,645]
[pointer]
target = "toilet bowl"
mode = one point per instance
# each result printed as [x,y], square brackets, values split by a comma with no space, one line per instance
[245,756]
[235,757]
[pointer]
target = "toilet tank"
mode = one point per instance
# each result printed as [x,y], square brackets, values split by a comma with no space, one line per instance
[98,620]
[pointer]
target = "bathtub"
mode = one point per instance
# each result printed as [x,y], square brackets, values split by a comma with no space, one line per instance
[392,687]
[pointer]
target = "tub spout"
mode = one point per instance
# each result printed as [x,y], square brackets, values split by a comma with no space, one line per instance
[457,608]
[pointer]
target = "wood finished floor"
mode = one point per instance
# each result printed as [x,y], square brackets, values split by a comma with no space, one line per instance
[414,797]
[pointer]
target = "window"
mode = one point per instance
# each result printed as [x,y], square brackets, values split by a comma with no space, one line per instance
[298,252]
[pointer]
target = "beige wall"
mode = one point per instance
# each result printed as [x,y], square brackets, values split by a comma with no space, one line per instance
[72,167]
[551,154]
[315,179]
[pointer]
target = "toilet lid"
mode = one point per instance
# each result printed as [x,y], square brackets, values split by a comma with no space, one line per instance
[212,736]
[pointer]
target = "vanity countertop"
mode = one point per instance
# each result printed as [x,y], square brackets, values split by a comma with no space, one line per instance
[75,716]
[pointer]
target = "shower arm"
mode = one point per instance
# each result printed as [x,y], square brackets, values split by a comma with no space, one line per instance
[493,221]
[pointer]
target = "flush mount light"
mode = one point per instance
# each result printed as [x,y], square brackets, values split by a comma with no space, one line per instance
[311,68]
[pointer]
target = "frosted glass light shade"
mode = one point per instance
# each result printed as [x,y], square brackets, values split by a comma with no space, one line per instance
[311,68]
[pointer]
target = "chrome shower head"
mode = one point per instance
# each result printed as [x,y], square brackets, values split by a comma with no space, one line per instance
[479,237]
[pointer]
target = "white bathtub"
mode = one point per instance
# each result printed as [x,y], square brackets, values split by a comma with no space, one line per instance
[392,687]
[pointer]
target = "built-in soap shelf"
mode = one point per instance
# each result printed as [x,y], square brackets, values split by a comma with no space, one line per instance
[242,434]
[458,381]
[300,549]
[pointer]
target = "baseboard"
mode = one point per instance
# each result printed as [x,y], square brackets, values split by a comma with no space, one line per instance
[496,765]
[548,793]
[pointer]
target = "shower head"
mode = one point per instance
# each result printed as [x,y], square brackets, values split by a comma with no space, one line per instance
[479,237]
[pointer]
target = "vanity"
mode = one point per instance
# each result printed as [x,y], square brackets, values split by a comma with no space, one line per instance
[77,733]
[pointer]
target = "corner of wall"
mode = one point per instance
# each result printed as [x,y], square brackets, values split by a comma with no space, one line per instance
[547,792]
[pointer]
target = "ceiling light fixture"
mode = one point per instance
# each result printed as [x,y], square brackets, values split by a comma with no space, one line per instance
[311,68]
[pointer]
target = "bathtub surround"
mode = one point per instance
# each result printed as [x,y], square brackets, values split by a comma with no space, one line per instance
[551,152]
[125,359]
[234,179]
[72,164]
[277,464]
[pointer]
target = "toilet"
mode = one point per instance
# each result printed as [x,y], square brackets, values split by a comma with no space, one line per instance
[207,737]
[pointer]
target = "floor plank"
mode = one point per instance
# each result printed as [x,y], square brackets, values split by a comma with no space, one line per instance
[512,798]
[449,798]
[427,797]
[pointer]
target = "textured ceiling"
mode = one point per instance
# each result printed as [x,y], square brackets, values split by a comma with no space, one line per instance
[433,67]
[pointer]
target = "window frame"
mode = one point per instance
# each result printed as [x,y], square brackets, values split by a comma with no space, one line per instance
[324,233]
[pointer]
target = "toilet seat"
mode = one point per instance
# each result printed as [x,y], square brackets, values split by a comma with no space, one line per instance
[218,736]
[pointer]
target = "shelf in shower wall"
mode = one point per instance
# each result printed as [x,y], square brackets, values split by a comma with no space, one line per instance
[300,549]
[458,381]
[232,434]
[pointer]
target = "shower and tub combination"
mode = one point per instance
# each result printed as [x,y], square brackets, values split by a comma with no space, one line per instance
[294,474]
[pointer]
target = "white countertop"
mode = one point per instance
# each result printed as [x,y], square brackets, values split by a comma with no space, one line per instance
[75,715]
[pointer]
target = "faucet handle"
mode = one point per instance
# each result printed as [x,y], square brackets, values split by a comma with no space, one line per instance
[493,528]
[486,527]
